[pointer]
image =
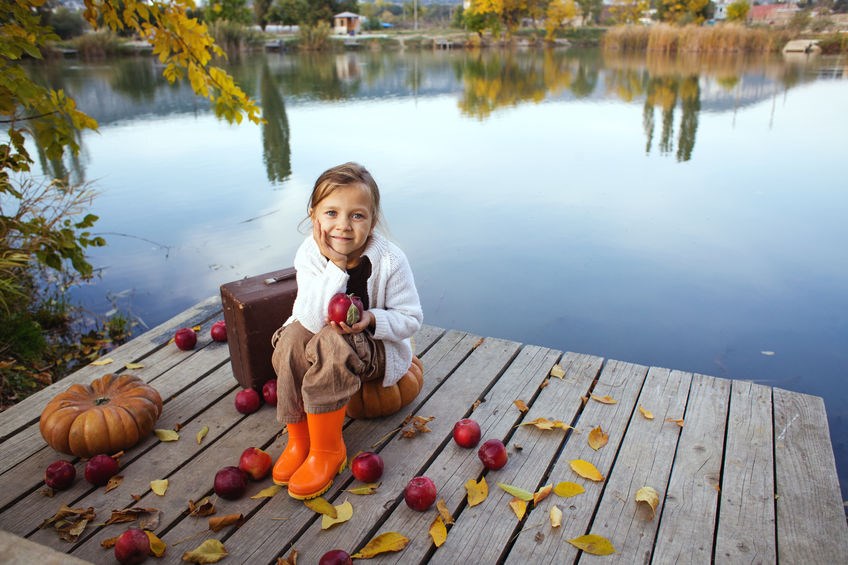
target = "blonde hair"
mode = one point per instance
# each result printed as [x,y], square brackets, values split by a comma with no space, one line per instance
[346,174]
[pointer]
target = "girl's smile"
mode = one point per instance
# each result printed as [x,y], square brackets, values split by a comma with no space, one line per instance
[346,218]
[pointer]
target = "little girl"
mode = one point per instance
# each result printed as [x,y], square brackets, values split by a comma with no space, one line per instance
[320,364]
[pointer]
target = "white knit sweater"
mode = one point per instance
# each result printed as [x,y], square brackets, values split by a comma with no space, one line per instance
[392,297]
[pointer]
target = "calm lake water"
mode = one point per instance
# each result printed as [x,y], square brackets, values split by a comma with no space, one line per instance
[685,214]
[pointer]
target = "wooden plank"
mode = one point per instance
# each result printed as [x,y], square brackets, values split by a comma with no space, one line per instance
[690,508]
[811,525]
[622,381]
[746,514]
[644,459]
[480,533]
[268,537]
[21,446]
[29,409]
[407,458]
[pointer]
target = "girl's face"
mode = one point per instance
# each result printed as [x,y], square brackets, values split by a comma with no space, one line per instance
[345,217]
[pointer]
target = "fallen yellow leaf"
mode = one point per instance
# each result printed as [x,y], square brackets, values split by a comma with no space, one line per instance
[606,399]
[157,546]
[646,413]
[594,544]
[648,496]
[113,482]
[556,516]
[202,434]
[321,506]
[385,542]
[220,522]
[210,551]
[557,371]
[542,494]
[344,512]
[519,493]
[159,487]
[133,366]
[102,361]
[678,421]
[290,559]
[267,492]
[477,491]
[521,405]
[519,507]
[586,470]
[369,488]
[598,438]
[541,423]
[167,435]
[567,489]
[443,511]
[438,531]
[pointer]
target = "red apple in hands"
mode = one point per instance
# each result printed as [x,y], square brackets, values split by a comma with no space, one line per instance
[218,332]
[133,546]
[367,467]
[60,474]
[185,338]
[336,557]
[255,462]
[493,454]
[230,483]
[466,433]
[99,469]
[248,401]
[420,493]
[269,392]
[345,308]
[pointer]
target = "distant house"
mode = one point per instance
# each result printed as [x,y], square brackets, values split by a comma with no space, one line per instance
[346,23]
[772,14]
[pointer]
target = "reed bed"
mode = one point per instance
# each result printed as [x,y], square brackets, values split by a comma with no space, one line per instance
[722,38]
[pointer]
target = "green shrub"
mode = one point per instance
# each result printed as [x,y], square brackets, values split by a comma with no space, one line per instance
[67,24]
[97,45]
[314,38]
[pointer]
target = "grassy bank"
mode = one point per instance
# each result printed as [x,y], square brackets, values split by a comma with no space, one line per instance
[723,38]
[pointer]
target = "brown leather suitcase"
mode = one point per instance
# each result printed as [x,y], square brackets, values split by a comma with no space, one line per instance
[254,308]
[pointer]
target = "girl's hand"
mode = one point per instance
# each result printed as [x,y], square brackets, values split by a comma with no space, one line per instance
[363,324]
[323,241]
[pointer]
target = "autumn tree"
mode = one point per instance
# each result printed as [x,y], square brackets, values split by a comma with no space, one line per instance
[628,11]
[558,12]
[738,11]
[230,10]
[591,10]
[683,11]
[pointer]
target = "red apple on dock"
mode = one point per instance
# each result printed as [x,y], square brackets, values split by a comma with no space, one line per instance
[218,332]
[60,474]
[345,308]
[99,469]
[133,546]
[466,433]
[248,401]
[336,557]
[230,483]
[367,467]
[420,493]
[255,462]
[269,392]
[493,454]
[185,338]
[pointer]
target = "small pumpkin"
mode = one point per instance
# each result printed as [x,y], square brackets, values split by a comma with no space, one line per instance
[111,414]
[373,400]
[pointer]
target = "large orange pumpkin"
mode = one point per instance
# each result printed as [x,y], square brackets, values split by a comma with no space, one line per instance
[111,414]
[375,400]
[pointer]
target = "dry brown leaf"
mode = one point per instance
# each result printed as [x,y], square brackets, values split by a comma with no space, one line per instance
[542,494]
[678,421]
[475,404]
[649,497]
[136,497]
[149,521]
[178,426]
[419,425]
[202,434]
[159,487]
[157,546]
[594,544]
[385,542]
[519,507]
[129,515]
[477,491]
[321,506]
[545,383]
[586,470]
[201,508]
[598,438]
[210,551]
[438,531]
[444,512]
[646,413]
[167,435]
[220,522]
[521,405]
[606,399]
[113,482]
[109,543]
[567,489]
[290,559]
[69,522]
[556,516]
[557,371]
[344,512]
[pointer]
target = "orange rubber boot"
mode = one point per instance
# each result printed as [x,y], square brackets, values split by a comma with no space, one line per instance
[327,456]
[293,456]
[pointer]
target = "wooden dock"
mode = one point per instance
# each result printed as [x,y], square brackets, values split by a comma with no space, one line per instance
[745,473]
